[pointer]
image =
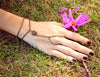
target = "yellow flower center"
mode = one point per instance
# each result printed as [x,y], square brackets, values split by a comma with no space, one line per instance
[73,22]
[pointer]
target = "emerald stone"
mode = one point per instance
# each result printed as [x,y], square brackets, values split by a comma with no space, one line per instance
[33,33]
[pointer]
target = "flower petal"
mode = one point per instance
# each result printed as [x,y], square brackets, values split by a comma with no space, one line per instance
[76,9]
[64,17]
[70,15]
[85,17]
[74,28]
[80,16]
[62,10]
[84,22]
[67,26]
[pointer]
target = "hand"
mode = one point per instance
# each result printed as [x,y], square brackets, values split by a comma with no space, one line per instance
[54,40]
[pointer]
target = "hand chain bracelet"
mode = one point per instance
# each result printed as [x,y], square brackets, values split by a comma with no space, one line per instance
[34,33]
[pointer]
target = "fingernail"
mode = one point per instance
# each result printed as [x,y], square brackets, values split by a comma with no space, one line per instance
[85,57]
[73,60]
[89,42]
[91,53]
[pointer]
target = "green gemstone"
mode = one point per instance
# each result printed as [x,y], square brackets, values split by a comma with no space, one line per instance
[33,33]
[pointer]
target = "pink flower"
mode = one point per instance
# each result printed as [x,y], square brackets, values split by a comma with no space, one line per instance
[67,9]
[71,23]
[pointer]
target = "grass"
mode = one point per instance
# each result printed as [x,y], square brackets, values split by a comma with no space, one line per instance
[18,59]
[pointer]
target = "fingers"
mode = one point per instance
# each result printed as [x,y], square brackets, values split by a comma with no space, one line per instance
[74,36]
[70,52]
[73,45]
[61,55]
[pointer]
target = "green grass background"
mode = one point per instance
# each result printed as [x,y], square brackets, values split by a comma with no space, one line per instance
[18,59]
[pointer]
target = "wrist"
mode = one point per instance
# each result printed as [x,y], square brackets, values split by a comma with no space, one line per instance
[26,32]
[29,37]
[23,29]
[9,22]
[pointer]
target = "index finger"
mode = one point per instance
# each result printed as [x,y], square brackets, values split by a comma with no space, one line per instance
[74,36]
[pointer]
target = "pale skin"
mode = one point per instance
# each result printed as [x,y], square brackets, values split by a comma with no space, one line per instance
[50,37]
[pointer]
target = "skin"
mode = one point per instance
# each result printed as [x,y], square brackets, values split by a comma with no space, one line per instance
[50,37]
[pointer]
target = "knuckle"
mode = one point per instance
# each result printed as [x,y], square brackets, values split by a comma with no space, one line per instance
[55,39]
[61,31]
[76,45]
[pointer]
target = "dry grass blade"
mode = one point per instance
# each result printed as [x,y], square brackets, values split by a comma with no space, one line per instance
[87,70]
[19,70]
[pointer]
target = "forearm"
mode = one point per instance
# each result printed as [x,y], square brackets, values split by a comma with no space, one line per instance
[11,23]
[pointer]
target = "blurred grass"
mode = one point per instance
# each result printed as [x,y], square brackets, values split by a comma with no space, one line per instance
[18,59]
